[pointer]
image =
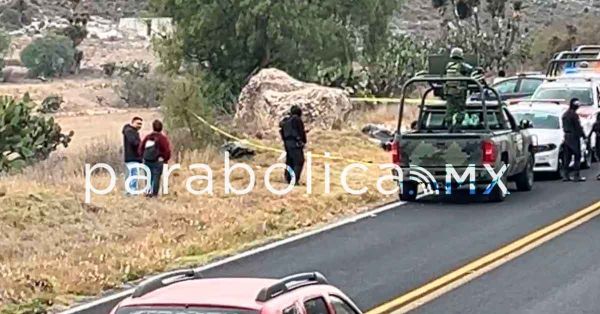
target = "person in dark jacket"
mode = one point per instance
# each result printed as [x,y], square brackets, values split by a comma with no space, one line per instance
[155,150]
[131,142]
[596,130]
[292,132]
[572,141]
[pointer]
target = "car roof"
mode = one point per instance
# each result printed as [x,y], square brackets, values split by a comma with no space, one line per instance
[534,75]
[567,83]
[541,107]
[239,293]
[222,292]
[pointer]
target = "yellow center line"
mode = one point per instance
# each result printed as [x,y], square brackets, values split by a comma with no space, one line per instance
[418,296]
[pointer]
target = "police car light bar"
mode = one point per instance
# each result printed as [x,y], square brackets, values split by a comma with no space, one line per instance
[588,48]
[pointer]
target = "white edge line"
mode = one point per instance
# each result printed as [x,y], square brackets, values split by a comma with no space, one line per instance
[248,253]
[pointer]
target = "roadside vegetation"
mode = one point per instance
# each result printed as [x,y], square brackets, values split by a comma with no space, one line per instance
[56,250]
[117,239]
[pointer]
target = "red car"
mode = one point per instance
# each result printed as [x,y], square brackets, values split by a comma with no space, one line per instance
[186,292]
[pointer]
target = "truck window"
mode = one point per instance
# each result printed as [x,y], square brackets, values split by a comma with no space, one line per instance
[434,120]
[340,306]
[316,306]
[292,310]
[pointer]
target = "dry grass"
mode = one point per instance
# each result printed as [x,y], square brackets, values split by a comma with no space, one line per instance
[53,247]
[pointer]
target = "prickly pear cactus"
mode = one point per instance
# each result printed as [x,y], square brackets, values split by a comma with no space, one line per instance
[26,137]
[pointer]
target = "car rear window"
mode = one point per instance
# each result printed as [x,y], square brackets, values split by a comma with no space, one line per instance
[181,310]
[530,85]
[540,120]
[583,94]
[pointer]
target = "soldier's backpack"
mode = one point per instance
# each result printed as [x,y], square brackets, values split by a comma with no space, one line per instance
[151,152]
[454,69]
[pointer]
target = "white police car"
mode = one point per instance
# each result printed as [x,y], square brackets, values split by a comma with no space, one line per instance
[545,117]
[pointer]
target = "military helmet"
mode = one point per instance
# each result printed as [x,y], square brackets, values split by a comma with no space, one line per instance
[456,53]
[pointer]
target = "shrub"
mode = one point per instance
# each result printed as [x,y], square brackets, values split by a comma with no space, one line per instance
[49,56]
[25,137]
[51,104]
[10,19]
[185,96]
[145,91]
[4,47]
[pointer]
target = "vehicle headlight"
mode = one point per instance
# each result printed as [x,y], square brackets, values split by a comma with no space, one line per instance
[544,148]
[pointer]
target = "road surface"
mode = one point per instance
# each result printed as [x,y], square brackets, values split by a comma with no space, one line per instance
[380,258]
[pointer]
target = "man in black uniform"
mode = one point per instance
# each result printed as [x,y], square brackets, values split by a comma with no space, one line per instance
[572,146]
[294,139]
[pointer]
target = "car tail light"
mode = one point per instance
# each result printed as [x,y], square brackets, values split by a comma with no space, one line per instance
[396,156]
[489,152]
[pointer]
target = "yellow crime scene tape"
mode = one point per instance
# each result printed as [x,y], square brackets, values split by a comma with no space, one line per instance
[385,100]
[267,148]
[410,101]
[322,156]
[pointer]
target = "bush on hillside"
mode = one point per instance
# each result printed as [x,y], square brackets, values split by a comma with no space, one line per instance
[564,37]
[4,47]
[184,98]
[24,136]
[49,56]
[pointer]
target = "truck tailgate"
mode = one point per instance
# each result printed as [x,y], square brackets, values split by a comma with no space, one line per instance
[438,150]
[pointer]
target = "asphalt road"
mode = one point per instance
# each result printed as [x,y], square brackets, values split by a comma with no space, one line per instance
[562,276]
[377,259]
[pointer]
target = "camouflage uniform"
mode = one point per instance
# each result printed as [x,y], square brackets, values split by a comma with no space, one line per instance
[456,92]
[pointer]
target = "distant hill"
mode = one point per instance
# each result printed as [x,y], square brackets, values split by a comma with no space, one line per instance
[418,16]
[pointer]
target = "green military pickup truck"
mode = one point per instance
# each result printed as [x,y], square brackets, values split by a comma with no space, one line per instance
[489,147]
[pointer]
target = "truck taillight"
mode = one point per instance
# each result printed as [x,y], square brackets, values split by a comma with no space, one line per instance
[489,152]
[396,158]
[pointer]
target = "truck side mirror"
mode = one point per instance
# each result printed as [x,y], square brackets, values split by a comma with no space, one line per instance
[525,124]
[413,125]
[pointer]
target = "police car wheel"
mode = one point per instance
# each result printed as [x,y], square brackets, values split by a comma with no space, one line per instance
[560,166]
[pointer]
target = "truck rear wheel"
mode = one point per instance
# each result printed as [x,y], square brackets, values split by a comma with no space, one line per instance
[409,191]
[497,195]
[524,180]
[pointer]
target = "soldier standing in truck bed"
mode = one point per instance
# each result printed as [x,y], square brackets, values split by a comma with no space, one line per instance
[455,91]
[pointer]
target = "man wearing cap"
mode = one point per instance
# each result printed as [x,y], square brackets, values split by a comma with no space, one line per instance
[572,142]
[455,91]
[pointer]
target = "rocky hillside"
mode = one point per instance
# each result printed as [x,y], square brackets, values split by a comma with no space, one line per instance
[417,16]
[15,14]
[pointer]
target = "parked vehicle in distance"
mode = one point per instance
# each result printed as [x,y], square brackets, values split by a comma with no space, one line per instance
[187,292]
[515,88]
[562,89]
[546,119]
